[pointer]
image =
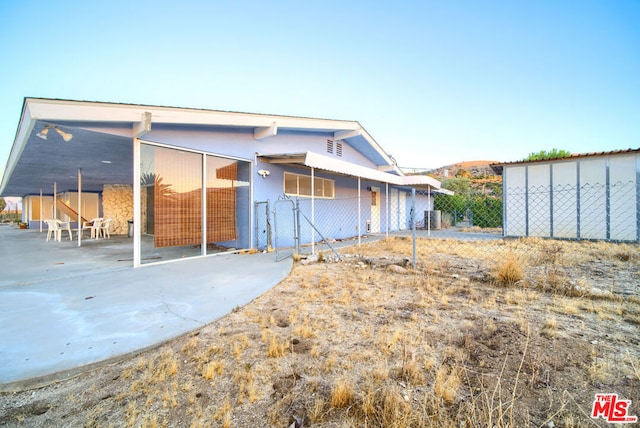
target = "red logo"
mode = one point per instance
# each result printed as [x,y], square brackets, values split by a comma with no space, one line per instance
[611,409]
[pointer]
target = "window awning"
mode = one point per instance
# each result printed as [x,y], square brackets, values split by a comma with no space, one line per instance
[326,163]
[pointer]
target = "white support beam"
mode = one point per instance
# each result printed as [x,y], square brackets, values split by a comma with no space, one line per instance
[142,127]
[343,135]
[266,131]
[137,206]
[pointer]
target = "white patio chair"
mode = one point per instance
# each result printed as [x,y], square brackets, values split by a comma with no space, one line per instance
[62,225]
[93,225]
[104,228]
[53,229]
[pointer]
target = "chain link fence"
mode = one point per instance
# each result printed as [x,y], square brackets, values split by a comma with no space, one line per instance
[573,241]
[434,221]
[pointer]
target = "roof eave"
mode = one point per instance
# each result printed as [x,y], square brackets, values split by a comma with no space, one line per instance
[25,126]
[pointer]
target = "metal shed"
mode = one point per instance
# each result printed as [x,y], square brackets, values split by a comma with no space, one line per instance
[584,196]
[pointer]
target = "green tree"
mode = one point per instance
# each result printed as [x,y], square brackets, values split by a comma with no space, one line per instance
[457,185]
[3,204]
[551,154]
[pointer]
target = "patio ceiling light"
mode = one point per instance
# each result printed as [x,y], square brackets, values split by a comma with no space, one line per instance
[43,134]
[66,136]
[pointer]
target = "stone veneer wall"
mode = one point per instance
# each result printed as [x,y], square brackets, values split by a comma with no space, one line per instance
[117,204]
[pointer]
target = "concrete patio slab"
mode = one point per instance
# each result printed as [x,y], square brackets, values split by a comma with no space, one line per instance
[64,309]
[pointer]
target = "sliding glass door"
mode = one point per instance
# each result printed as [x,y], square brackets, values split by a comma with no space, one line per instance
[175,217]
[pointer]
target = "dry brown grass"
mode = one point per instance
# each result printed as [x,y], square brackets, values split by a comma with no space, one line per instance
[445,345]
[509,270]
[342,394]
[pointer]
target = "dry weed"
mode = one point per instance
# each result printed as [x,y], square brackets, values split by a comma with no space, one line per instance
[277,348]
[212,369]
[342,394]
[509,271]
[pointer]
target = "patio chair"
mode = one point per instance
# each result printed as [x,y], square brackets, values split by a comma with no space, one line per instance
[53,229]
[62,225]
[93,225]
[104,228]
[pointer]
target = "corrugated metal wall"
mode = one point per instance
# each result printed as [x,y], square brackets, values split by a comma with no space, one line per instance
[584,198]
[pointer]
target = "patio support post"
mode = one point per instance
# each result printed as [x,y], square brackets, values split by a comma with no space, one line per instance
[136,204]
[413,225]
[41,210]
[55,200]
[313,210]
[203,211]
[431,207]
[79,207]
[359,215]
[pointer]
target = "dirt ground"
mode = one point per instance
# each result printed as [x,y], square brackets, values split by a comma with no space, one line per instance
[505,333]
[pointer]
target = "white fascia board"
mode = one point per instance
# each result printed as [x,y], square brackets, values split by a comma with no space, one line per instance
[22,136]
[96,112]
[62,110]
[378,148]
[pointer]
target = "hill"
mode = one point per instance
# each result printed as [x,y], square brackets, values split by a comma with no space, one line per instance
[477,169]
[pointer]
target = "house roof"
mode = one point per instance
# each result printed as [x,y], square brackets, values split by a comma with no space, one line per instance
[102,134]
[498,167]
[326,163]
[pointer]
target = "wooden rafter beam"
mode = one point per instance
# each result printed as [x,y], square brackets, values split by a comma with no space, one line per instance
[142,127]
[343,135]
[265,131]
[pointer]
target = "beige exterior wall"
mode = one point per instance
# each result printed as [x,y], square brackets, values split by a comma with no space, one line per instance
[117,204]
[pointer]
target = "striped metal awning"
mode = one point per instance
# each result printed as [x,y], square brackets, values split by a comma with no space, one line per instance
[339,166]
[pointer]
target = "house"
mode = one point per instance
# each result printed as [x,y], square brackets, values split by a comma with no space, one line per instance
[195,181]
[584,196]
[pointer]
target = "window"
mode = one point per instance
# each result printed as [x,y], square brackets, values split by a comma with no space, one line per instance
[300,185]
[330,146]
[339,149]
[175,201]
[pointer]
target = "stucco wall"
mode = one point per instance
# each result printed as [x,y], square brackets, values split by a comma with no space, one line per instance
[117,204]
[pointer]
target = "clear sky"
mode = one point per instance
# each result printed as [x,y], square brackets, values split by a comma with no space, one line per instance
[434,82]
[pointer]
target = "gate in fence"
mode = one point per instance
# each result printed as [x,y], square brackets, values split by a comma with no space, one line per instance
[285,229]
[288,220]
[263,226]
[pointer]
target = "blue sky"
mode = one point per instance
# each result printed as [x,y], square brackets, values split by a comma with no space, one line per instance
[434,82]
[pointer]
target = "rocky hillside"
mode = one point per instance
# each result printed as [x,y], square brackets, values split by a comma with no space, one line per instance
[471,169]
[476,177]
